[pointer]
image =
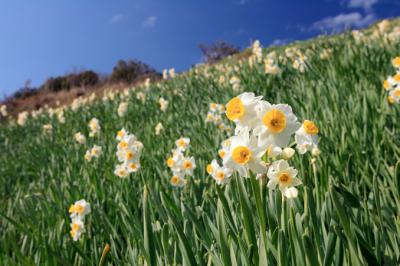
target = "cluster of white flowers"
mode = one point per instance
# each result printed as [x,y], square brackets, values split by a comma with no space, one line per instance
[94,152]
[270,64]
[256,50]
[80,138]
[180,164]
[158,128]
[168,72]
[141,96]
[94,126]
[326,53]
[122,109]
[22,118]
[260,144]
[129,150]
[163,104]
[392,83]
[47,129]
[214,116]
[77,212]
[3,110]
[235,83]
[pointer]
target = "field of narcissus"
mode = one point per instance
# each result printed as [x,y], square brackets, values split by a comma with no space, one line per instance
[280,156]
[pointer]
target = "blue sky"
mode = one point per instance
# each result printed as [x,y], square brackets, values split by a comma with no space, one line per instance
[44,38]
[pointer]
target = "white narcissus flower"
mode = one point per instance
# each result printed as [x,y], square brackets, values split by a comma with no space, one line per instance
[235,82]
[122,109]
[307,137]
[141,96]
[182,143]
[80,138]
[282,175]
[121,170]
[22,117]
[3,110]
[47,129]
[245,154]
[171,72]
[396,62]
[79,209]
[77,229]
[188,165]
[158,128]
[288,153]
[163,104]
[177,180]
[121,134]
[220,174]
[94,126]
[277,123]
[242,109]
[96,151]
[394,95]
[60,117]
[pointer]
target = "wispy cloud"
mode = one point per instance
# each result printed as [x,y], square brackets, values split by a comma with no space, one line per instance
[117,18]
[365,4]
[343,21]
[149,22]
[279,42]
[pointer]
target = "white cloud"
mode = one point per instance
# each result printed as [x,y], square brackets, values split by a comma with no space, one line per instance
[366,4]
[343,21]
[279,42]
[149,22]
[117,18]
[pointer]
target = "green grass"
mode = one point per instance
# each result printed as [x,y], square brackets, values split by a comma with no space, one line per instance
[347,211]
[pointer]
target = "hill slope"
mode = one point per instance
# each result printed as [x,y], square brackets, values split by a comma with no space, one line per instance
[346,212]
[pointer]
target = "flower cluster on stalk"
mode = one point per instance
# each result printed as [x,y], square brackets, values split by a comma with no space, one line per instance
[392,83]
[180,163]
[77,213]
[129,150]
[260,145]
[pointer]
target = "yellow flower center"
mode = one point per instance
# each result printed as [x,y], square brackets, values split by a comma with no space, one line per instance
[391,99]
[235,109]
[129,155]
[221,153]
[209,169]
[133,166]
[285,178]
[397,77]
[187,165]
[170,162]
[79,209]
[72,232]
[123,145]
[75,227]
[120,133]
[310,127]
[397,93]
[220,175]
[181,143]
[71,209]
[241,155]
[175,180]
[275,120]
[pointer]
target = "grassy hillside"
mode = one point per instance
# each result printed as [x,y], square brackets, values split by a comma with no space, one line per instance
[346,212]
